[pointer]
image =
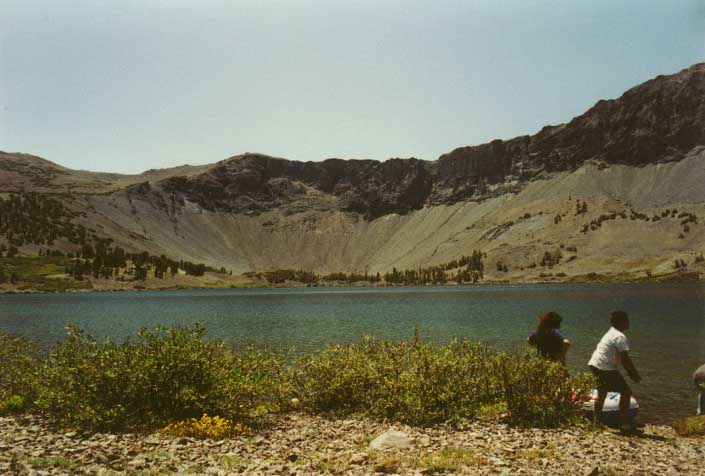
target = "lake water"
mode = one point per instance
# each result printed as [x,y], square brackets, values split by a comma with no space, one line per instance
[667,333]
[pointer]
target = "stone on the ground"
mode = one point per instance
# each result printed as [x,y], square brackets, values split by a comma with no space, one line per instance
[392,439]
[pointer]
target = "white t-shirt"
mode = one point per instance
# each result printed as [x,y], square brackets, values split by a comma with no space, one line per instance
[606,355]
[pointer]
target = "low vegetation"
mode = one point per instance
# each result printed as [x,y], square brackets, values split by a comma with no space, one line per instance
[422,383]
[160,377]
[38,273]
[176,380]
[690,426]
[684,218]
[206,427]
[18,373]
[55,271]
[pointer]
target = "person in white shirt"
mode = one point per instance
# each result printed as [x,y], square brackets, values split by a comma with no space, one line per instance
[612,352]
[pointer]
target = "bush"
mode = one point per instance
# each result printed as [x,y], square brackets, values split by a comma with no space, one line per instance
[420,383]
[166,375]
[18,373]
[539,391]
[174,378]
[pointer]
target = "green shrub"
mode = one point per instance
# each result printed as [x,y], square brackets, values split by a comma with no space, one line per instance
[165,375]
[539,391]
[449,382]
[18,373]
[422,383]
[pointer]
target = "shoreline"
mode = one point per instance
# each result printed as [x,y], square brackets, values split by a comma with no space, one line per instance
[673,278]
[299,444]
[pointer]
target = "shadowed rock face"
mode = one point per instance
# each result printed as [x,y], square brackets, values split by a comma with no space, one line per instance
[658,121]
[254,183]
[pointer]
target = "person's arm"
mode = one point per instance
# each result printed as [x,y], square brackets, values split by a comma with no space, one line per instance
[629,366]
[531,340]
[564,351]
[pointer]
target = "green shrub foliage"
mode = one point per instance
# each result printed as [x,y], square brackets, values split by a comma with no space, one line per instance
[422,383]
[18,369]
[164,375]
[539,391]
[167,375]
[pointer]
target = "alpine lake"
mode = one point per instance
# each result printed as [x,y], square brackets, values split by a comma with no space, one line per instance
[667,332]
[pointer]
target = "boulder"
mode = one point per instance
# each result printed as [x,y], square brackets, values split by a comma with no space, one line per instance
[391,439]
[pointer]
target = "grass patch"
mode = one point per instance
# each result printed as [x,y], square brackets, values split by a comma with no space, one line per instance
[690,426]
[39,273]
[233,461]
[450,460]
[328,464]
[53,462]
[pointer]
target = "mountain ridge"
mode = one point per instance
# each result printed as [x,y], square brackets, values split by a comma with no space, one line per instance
[658,121]
[628,160]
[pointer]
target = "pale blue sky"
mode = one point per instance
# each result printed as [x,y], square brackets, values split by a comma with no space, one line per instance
[129,85]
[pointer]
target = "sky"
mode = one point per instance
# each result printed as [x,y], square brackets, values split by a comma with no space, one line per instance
[125,86]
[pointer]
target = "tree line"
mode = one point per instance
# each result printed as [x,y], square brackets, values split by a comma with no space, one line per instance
[105,261]
[32,218]
[466,269]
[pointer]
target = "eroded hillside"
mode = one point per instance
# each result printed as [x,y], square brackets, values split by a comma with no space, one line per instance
[617,191]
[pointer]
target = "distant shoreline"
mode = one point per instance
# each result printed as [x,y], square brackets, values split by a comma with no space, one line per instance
[676,277]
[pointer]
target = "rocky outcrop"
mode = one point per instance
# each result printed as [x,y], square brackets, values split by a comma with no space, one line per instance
[658,121]
[253,183]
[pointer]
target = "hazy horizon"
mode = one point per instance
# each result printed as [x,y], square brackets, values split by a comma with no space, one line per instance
[130,86]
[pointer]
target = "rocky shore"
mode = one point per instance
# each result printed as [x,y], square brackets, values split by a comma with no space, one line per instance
[298,444]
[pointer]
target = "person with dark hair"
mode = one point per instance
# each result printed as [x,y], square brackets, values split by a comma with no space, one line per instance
[548,339]
[699,381]
[612,352]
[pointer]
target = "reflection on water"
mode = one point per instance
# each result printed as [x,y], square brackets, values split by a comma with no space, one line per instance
[667,331]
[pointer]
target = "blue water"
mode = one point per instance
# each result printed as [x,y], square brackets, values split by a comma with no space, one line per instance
[667,331]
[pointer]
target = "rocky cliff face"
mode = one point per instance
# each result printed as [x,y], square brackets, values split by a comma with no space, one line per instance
[253,183]
[658,121]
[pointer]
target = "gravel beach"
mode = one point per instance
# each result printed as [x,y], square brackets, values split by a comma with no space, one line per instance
[299,444]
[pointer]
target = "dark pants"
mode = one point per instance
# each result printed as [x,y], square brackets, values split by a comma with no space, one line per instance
[610,381]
